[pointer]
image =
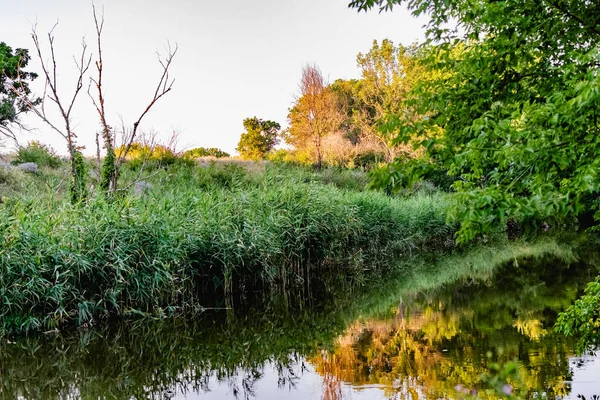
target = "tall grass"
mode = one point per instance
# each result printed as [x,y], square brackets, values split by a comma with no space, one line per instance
[196,239]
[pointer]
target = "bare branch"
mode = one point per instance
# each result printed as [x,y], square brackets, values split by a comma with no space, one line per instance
[163,87]
[8,132]
[51,83]
[99,105]
[83,67]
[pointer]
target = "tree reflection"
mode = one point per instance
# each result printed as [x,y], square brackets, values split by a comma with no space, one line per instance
[438,340]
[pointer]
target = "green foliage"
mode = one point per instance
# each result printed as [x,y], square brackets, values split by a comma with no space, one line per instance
[259,139]
[38,153]
[389,73]
[368,159]
[402,174]
[281,156]
[342,178]
[79,179]
[582,319]
[12,181]
[515,96]
[108,171]
[11,73]
[504,380]
[227,176]
[199,152]
[340,124]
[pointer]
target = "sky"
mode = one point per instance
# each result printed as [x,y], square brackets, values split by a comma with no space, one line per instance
[236,59]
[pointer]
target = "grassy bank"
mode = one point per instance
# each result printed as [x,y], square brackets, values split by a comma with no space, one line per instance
[195,237]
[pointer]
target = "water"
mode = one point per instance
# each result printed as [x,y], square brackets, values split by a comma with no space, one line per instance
[394,341]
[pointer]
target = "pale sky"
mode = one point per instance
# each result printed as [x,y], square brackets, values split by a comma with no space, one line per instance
[236,59]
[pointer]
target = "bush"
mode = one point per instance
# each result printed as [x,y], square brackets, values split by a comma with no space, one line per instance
[582,319]
[13,181]
[39,153]
[8,176]
[368,159]
[200,152]
[152,157]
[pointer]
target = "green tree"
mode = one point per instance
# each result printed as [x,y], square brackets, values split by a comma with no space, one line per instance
[260,138]
[12,75]
[389,73]
[518,106]
[582,319]
[346,92]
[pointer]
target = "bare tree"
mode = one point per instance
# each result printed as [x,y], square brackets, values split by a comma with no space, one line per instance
[65,108]
[316,112]
[113,162]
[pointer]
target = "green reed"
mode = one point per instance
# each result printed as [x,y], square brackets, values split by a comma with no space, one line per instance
[196,238]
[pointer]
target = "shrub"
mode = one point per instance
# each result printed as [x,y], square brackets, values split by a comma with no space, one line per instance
[200,152]
[7,176]
[368,159]
[152,157]
[13,181]
[39,153]
[582,319]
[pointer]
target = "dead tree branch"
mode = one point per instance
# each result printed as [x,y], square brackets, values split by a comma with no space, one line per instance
[164,86]
[65,108]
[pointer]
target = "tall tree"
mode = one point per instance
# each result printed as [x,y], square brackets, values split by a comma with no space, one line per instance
[389,73]
[315,115]
[12,74]
[260,138]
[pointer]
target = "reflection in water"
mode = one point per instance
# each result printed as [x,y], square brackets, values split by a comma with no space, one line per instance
[423,346]
[435,341]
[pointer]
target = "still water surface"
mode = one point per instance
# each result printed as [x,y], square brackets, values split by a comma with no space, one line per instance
[387,343]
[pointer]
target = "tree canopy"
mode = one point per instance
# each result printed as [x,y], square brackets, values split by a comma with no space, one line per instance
[389,73]
[314,116]
[260,138]
[12,75]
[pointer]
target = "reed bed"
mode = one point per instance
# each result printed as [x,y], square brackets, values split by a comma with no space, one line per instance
[197,237]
